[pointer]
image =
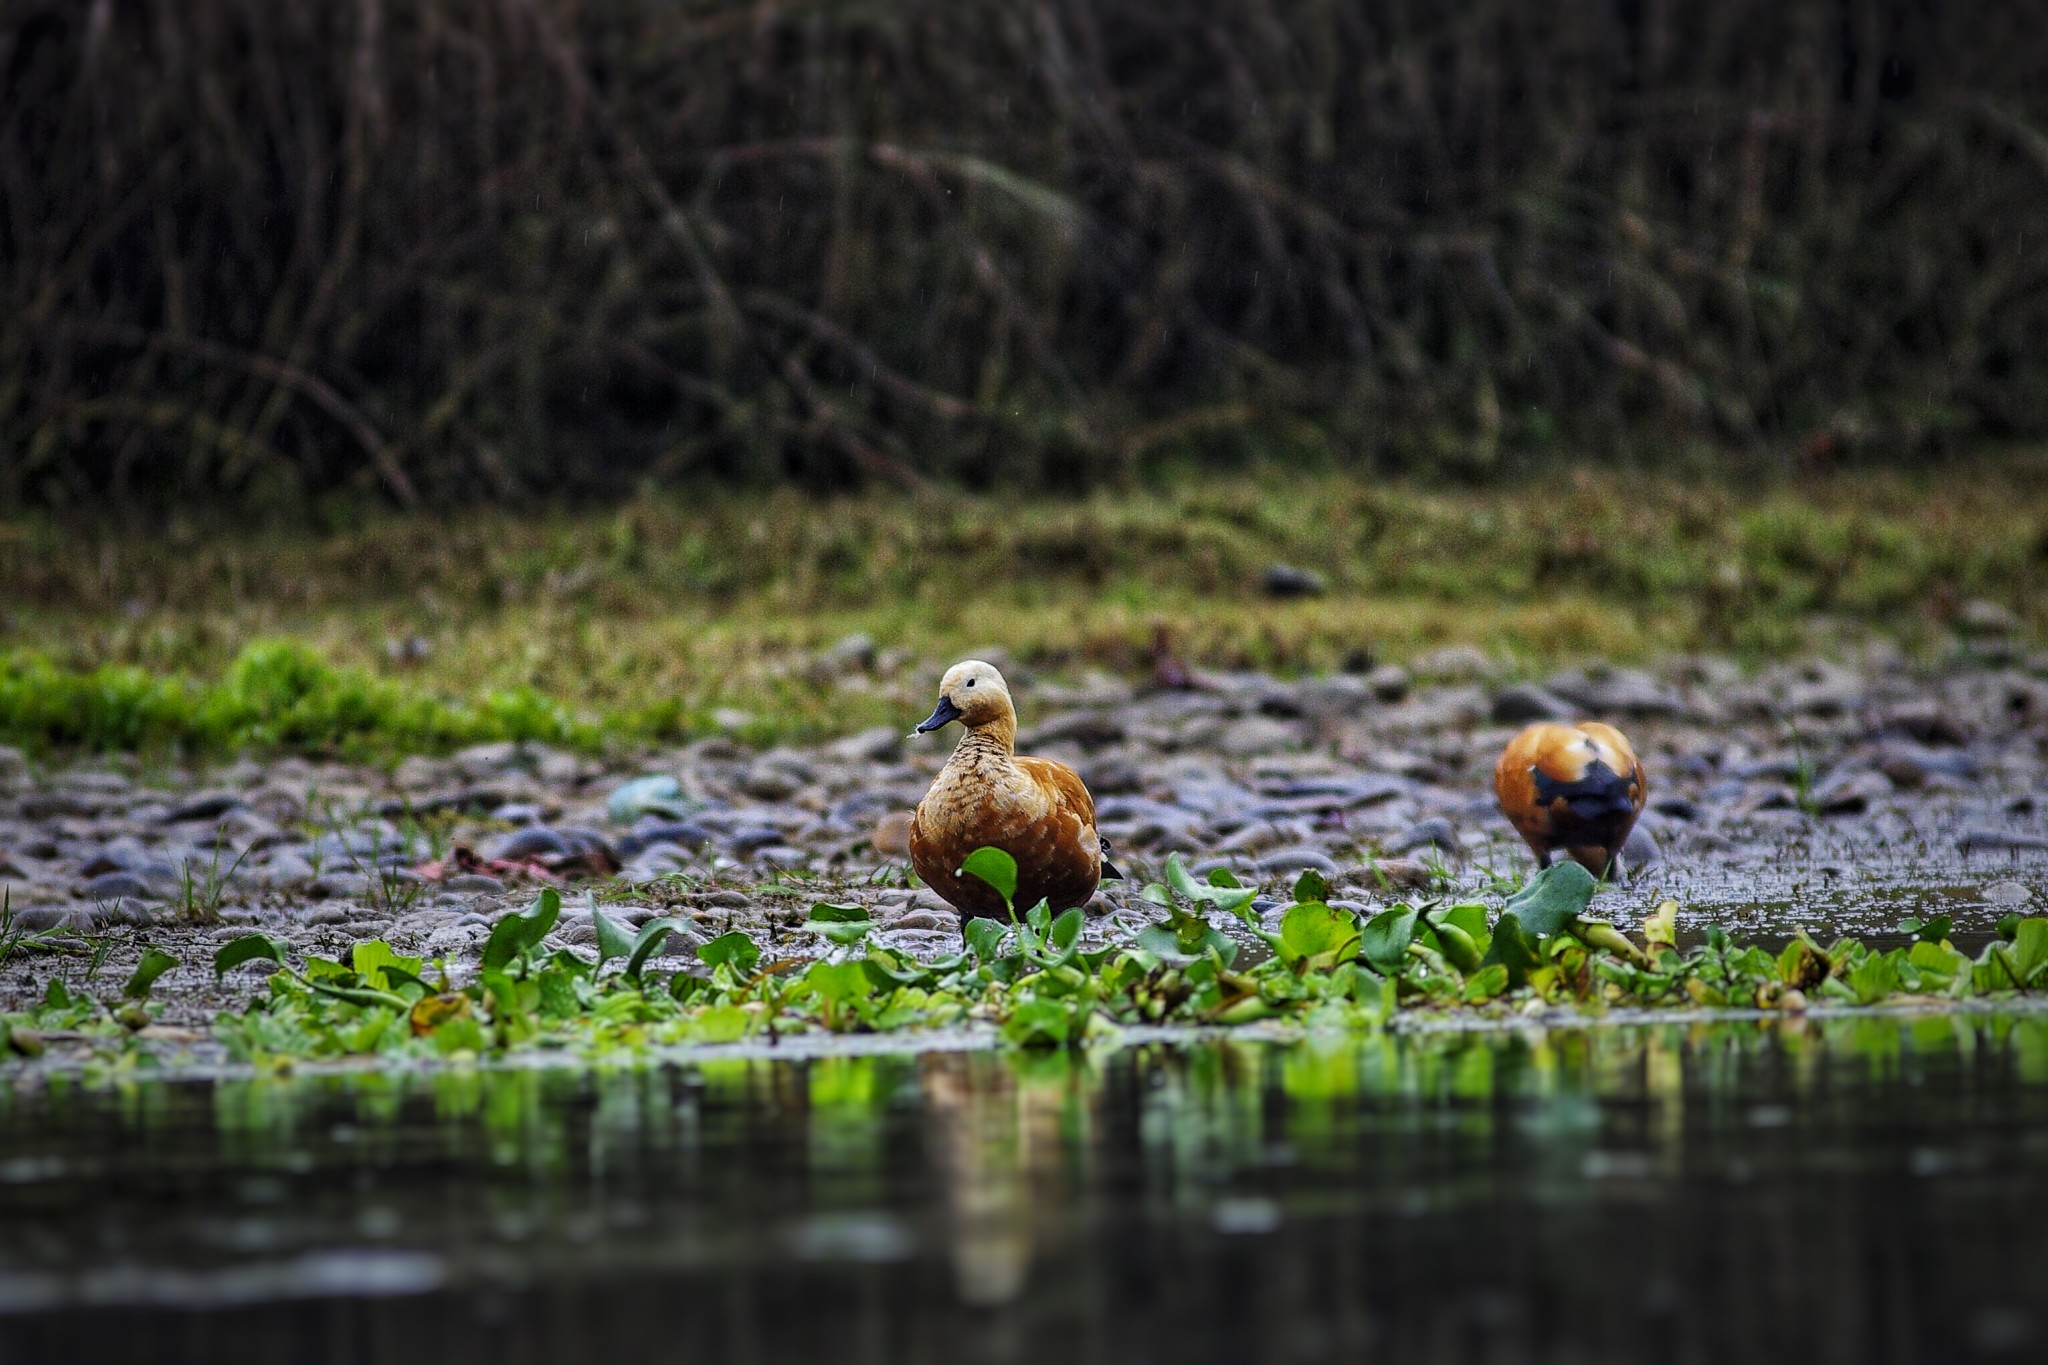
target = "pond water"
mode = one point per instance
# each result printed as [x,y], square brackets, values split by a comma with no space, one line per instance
[1870,1189]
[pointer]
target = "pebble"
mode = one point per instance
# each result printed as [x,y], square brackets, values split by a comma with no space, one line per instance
[204,806]
[1285,580]
[1436,833]
[2008,893]
[533,841]
[891,835]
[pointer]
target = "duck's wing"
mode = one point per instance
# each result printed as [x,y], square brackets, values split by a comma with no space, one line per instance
[1063,785]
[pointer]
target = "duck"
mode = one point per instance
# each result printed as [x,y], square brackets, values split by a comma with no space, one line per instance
[1575,789]
[1037,810]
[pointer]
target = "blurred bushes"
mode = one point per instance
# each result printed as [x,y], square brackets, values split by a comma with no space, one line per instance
[469,250]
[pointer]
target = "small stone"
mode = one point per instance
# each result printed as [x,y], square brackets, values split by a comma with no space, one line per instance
[1256,735]
[1436,832]
[1285,580]
[2008,893]
[349,885]
[534,841]
[1523,703]
[853,654]
[1641,850]
[1455,663]
[928,919]
[891,837]
[519,813]
[877,744]
[1851,793]
[205,806]
[769,782]
[1388,682]
[655,794]
[1982,620]
[473,882]
[1297,859]
[118,886]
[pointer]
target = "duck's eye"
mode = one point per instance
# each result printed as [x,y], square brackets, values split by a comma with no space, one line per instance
[970,682]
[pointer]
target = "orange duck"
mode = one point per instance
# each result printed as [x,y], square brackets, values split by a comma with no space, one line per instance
[1034,809]
[1575,788]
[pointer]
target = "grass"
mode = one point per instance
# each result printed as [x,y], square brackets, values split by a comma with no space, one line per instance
[642,623]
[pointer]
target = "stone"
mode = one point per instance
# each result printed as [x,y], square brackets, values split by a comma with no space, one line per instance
[2009,894]
[877,744]
[204,806]
[891,836]
[1286,581]
[1298,858]
[851,654]
[1525,703]
[1850,793]
[138,885]
[533,841]
[770,782]
[1979,840]
[1981,619]
[474,882]
[348,885]
[1432,833]
[1258,735]
[1641,850]
[1602,691]
[1388,682]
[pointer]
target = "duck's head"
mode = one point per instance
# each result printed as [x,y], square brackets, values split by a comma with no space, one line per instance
[973,693]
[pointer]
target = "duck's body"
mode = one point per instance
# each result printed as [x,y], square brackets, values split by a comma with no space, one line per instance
[1034,809]
[1575,789]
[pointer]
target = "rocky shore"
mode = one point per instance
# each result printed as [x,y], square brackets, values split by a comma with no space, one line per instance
[1833,796]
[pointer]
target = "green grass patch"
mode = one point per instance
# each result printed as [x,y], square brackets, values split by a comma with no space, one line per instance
[639,623]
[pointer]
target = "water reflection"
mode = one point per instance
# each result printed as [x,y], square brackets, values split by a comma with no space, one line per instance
[1844,1189]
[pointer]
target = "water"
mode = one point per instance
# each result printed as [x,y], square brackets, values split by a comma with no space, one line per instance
[1837,1190]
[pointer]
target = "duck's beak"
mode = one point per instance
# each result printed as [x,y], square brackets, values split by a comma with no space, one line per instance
[945,713]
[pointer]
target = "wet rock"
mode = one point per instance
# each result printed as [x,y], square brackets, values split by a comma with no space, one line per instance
[2008,894]
[1432,833]
[1523,703]
[1641,851]
[1258,735]
[204,806]
[141,884]
[345,885]
[684,834]
[1676,808]
[1388,682]
[1285,581]
[1615,692]
[1979,840]
[473,882]
[534,841]
[1297,858]
[877,744]
[891,835]
[1983,620]
[939,920]
[519,813]
[1850,793]
[770,782]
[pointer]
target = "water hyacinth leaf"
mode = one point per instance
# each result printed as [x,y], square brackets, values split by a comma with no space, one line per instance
[1469,917]
[1038,1023]
[1314,932]
[155,962]
[522,931]
[844,925]
[1164,944]
[249,948]
[1384,940]
[721,1024]
[1459,948]
[734,949]
[839,981]
[890,970]
[1225,878]
[652,935]
[612,938]
[2029,951]
[1660,927]
[364,996]
[1039,917]
[1553,898]
[1230,898]
[1873,979]
[1513,949]
[374,961]
[995,867]
[1066,930]
[430,1012]
[985,937]
[1486,983]
[1311,886]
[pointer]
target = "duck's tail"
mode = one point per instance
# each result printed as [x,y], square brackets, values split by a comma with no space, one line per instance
[1109,869]
[1600,793]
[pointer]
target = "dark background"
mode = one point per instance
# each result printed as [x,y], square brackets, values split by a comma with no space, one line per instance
[263,252]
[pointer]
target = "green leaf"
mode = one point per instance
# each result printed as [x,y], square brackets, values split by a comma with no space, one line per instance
[1310,886]
[1066,930]
[1486,983]
[362,995]
[734,948]
[373,960]
[1314,932]
[721,1024]
[1873,979]
[56,996]
[249,948]
[985,937]
[522,931]
[839,981]
[155,962]
[995,867]
[1384,940]
[1225,878]
[612,938]
[1553,898]
[651,936]
[2029,951]
[1469,917]
[1512,948]
[1229,898]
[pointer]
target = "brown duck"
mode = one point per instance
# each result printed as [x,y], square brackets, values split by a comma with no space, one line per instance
[1572,788]
[1035,809]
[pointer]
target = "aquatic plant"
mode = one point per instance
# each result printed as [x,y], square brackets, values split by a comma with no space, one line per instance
[1032,979]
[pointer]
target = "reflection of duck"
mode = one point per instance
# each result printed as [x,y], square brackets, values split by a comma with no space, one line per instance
[1034,809]
[1574,788]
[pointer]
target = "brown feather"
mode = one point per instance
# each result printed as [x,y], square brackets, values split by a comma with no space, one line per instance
[1571,789]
